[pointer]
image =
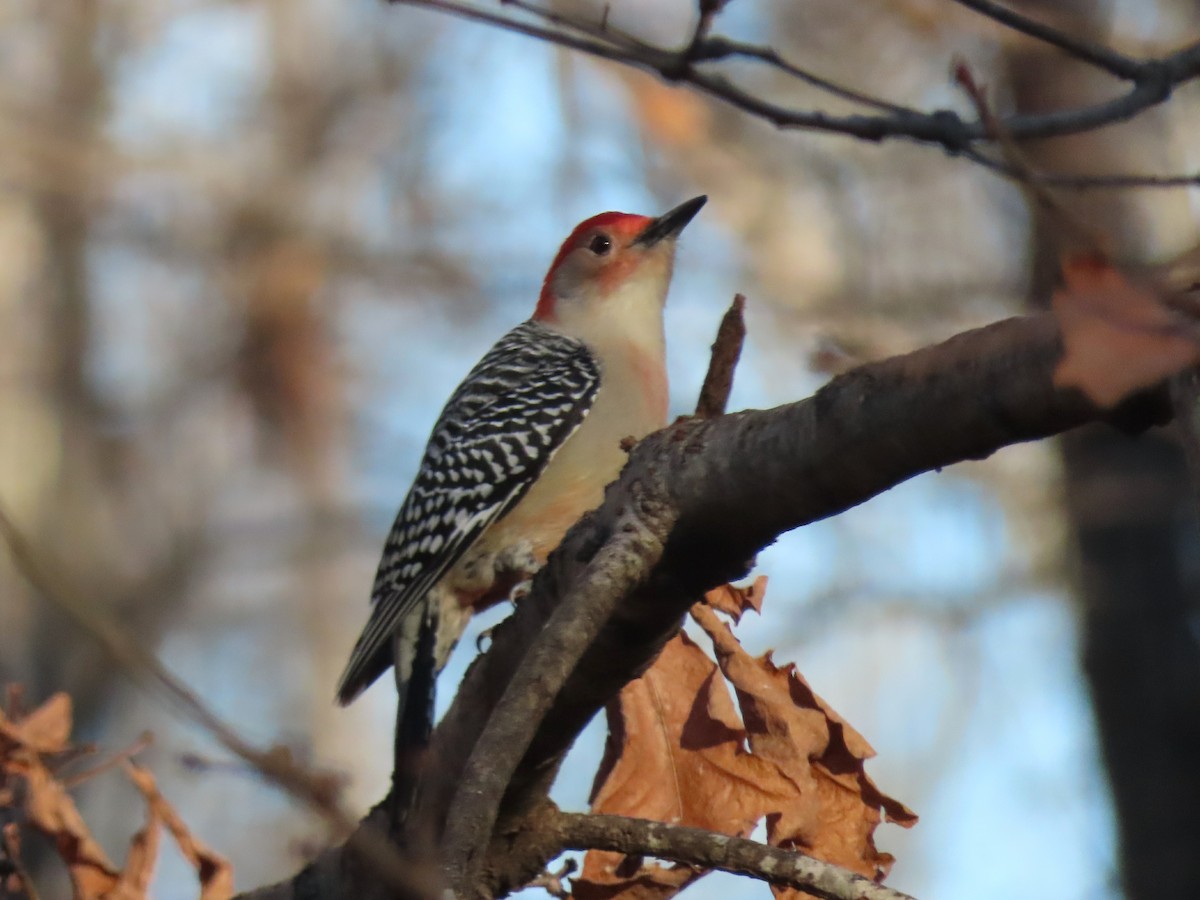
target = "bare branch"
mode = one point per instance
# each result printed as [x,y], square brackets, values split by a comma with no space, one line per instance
[709,850]
[1099,56]
[1183,64]
[726,350]
[717,490]
[1151,84]
[708,12]
[709,48]
[715,48]
[634,546]
[1085,182]
[695,502]
[611,576]
[1037,193]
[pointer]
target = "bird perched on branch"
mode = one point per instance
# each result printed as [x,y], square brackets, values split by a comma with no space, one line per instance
[526,444]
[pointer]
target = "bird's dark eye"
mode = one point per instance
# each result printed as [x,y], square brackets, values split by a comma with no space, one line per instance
[600,244]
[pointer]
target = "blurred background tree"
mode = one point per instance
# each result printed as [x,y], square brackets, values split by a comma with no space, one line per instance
[247,248]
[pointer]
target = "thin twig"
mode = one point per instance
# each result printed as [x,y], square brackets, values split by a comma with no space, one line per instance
[600,47]
[552,882]
[726,350]
[1085,182]
[1037,192]
[603,30]
[709,48]
[711,850]
[715,48]
[122,756]
[708,10]
[1152,81]
[1097,55]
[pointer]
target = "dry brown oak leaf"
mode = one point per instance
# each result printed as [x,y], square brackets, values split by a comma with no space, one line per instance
[679,752]
[29,778]
[1119,335]
[47,805]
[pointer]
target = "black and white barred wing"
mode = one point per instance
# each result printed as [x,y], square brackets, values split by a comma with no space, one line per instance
[494,438]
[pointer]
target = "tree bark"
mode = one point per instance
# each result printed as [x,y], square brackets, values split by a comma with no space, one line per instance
[693,506]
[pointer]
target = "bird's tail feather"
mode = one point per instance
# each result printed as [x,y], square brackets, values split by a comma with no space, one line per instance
[361,673]
[416,686]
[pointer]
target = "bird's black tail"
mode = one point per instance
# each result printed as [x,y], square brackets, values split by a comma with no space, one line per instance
[416,686]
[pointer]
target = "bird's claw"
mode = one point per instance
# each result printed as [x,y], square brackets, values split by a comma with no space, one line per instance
[515,596]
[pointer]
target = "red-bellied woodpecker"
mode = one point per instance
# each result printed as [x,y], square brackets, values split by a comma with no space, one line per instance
[527,442]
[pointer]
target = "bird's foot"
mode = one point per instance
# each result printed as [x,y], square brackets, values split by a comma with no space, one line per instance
[483,637]
[520,591]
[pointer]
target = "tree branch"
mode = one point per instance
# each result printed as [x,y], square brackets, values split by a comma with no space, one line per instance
[693,506]
[1083,182]
[717,48]
[1099,56]
[633,547]
[709,850]
[612,575]
[726,350]
[1151,83]
[700,499]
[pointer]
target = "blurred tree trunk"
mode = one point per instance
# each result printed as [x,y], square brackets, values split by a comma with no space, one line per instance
[64,205]
[1129,501]
[100,520]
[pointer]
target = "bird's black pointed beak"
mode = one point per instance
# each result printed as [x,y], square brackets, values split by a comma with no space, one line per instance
[670,224]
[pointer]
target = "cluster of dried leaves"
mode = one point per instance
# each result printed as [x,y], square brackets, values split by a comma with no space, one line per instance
[34,793]
[680,751]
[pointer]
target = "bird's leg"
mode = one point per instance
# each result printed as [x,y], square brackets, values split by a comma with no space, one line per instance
[520,565]
[514,568]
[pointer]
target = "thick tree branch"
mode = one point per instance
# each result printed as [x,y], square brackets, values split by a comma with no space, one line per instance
[634,547]
[709,850]
[708,495]
[691,509]
[1151,83]
[611,576]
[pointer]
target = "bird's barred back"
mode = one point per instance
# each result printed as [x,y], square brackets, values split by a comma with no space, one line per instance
[495,436]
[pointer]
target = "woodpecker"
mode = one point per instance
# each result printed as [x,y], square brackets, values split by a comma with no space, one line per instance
[527,443]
